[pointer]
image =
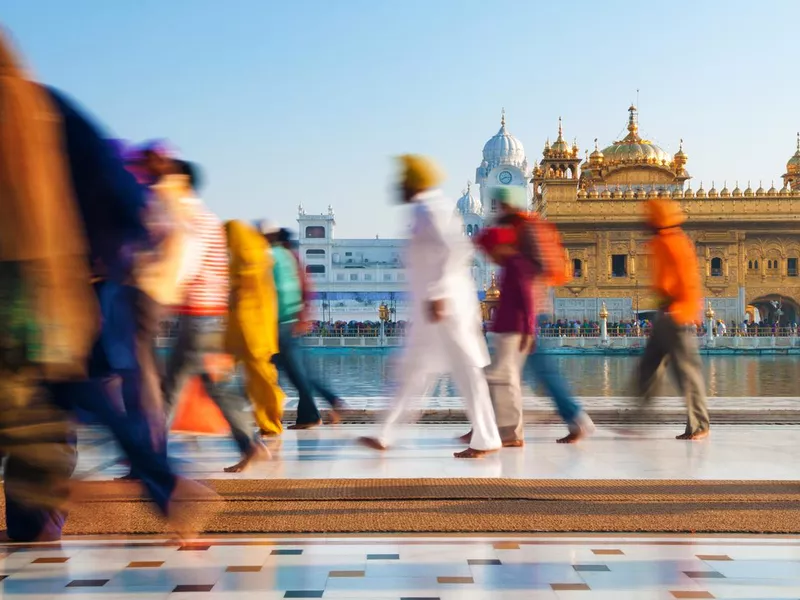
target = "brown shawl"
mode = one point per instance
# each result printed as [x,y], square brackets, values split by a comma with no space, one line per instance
[40,226]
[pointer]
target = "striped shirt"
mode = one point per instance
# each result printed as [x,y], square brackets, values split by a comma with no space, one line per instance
[207,283]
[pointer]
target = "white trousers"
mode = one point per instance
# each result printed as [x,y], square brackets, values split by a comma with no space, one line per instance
[417,378]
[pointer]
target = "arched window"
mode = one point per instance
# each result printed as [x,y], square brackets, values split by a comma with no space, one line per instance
[716,267]
[315,231]
[750,264]
[577,268]
[475,230]
[315,269]
[469,230]
[755,265]
[315,253]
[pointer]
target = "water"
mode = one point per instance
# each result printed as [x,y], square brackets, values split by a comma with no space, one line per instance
[353,372]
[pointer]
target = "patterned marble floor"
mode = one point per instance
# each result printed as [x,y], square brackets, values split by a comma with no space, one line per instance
[443,568]
[732,452]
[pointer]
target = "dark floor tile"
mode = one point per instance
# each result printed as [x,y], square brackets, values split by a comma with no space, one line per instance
[51,560]
[569,587]
[145,564]
[87,583]
[718,557]
[483,561]
[304,594]
[590,568]
[383,557]
[286,552]
[704,575]
[454,580]
[192,588]
[247,569]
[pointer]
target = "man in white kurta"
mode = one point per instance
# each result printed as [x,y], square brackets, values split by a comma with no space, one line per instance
[446,335]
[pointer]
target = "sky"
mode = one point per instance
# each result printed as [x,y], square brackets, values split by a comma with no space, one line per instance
[308,101]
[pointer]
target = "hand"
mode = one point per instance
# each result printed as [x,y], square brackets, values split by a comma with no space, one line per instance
[436,310]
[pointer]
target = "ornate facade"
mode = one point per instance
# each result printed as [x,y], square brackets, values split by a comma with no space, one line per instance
[748,242]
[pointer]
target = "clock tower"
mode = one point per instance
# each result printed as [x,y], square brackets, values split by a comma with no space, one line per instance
[504,164]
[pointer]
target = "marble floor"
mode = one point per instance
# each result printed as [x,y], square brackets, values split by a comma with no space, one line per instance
[766,452]
[398,568]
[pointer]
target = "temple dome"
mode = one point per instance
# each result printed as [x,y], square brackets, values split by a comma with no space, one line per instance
[632,149]
[503,148]
[469,204]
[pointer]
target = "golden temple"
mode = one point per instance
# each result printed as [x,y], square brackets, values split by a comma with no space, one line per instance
[748,242]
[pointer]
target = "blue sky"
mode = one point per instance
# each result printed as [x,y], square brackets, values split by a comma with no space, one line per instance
[307,101]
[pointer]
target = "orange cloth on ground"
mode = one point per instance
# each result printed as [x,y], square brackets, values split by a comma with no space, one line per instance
[676,274]
[196,412]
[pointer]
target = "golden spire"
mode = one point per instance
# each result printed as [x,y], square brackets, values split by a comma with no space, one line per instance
[633,124]
[560,129]
[595,144]
[503,117]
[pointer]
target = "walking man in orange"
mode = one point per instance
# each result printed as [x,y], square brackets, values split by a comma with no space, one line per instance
[676,279]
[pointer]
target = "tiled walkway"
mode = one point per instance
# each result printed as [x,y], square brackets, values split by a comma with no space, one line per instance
[732,452]
[528,568]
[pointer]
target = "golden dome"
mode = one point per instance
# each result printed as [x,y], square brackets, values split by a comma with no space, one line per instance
[736,191]
[493,293]
[581,193]
[628,192]
[689,193]
[748,191]
[701,193]
[633,150]
[596,157]
[593,193]
[784,191]
[712,193]
[605,193]
[560,148]
[772,191]
[677,193]
[793,166]
[724,193]
[760,190]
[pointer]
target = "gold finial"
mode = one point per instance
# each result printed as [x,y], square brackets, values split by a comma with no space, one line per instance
[709,311]
[503,117]
[603,311]
[560,129]
[595,144]
[633,126]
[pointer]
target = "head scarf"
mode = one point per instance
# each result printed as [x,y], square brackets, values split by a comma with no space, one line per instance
[245,244]
[419,173]
[513,196]
[662,213]
[40,225]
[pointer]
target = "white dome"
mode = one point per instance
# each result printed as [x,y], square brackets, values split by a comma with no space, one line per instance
[469,204]
[503,149]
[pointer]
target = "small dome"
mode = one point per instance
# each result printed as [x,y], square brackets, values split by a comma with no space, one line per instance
[560,148]
[680,155]
[593,193]
[793,166]
[627,192]
[760,190]
[784,191]
[736,191]
[469,204]
[652,193]
[503,148]
[712,193]
[581,193]
[724,193]
[748,192]
[689,193]
[701,193]
[605,193]
[772,191]
[677,193]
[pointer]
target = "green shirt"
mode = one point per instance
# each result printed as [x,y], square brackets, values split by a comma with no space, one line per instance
[287,284]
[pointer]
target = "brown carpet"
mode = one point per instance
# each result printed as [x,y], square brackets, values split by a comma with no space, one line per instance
[460,505]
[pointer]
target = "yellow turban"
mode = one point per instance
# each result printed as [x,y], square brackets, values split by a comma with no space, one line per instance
[419,173]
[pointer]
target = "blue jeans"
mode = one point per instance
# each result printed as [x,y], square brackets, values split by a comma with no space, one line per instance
[555,385]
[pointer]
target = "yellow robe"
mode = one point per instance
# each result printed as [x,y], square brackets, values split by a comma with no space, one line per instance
[252,333]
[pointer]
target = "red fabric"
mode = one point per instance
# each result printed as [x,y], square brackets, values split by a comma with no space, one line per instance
[196,412]
[305,288]
[491,237]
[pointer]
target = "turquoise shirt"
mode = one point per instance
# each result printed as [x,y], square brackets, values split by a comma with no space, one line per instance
[287,284]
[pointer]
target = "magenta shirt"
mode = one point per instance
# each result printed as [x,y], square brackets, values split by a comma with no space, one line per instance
[515,313]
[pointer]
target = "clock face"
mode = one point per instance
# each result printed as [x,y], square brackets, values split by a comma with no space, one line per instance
[505,177]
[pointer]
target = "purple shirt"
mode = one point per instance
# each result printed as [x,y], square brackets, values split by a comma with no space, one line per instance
[515,314]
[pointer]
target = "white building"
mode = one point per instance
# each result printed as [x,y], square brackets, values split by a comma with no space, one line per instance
[353,277]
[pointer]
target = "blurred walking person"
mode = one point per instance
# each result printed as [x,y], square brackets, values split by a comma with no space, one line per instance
[445,333]
[672,343]
[292,288]
[539,245]
[201,310]
[252,333]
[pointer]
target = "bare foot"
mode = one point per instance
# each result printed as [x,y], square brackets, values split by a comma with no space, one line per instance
[513,443]
[372,444]
[466,438]
[300,426]
[572,438]
[258,453]
[700,434]
[473,453]
[334,418]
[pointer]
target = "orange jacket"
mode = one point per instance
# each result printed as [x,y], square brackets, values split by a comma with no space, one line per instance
[676,276]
